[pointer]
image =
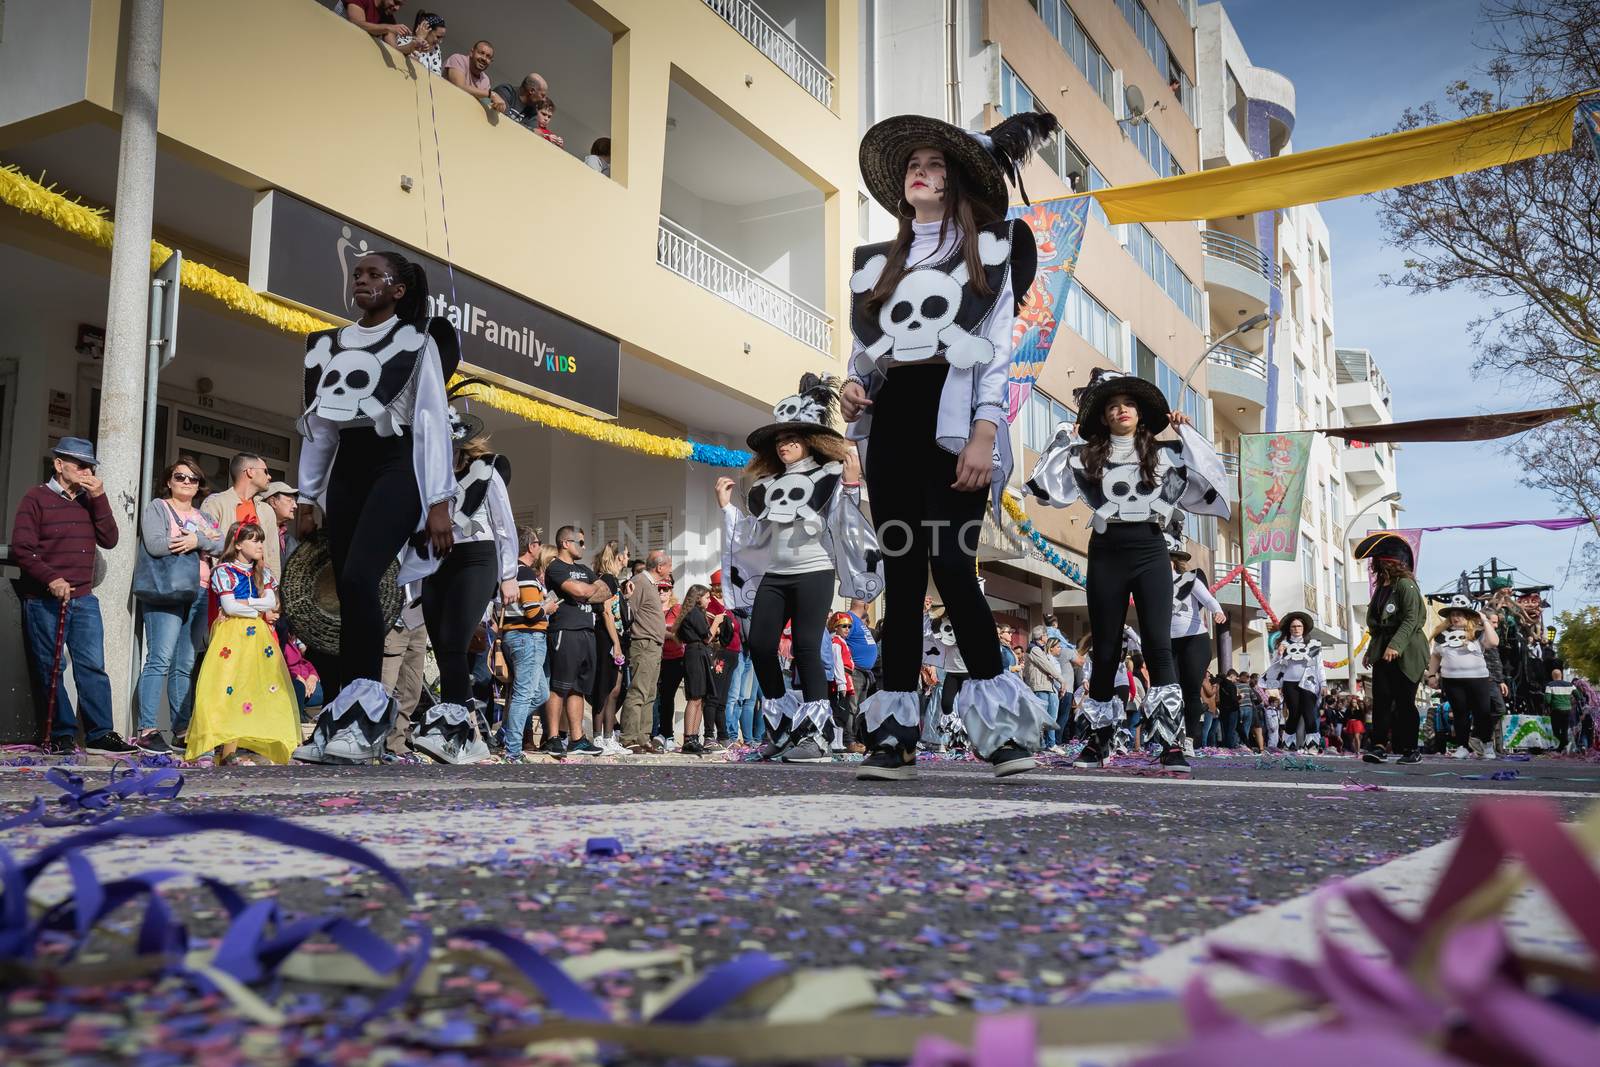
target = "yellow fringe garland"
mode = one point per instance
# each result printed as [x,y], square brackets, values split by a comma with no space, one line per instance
[33,198]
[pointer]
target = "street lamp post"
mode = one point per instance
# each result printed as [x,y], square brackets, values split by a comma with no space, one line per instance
[1244,327]
[1349,573]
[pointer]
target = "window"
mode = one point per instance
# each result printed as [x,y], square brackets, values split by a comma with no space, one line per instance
[1059,153]
[1064,26]
[1157,262]
[1310,565]
[1341,595]
[1090,320]
[1041,414]
[1192,405]
[1299,386]
[1237,103]
[1154,149]
[1155,45]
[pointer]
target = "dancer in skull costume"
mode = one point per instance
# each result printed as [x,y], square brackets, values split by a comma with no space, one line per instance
[1296,671]
[376,457]
[1194,610]
[481,566]
[931,314]
[1135,484]
[804,526]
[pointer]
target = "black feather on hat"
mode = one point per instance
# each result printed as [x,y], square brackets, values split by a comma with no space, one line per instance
[464,426]
[986,160]
[813,409]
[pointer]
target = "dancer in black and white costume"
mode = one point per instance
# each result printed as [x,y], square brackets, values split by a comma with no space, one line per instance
[1194,611]
[481,568]
[1135,484]
[931,315]
[376,457]
[803,527]
[1296,672]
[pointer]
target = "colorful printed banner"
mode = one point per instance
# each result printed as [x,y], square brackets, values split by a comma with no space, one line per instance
[1411,537]
[1058,230]
[1589,115]
[1274,468]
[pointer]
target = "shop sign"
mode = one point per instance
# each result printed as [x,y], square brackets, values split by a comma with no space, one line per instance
[302,254]
[227,438]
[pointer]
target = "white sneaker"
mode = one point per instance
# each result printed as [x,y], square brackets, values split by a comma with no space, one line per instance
[1479,749]
[1461,752]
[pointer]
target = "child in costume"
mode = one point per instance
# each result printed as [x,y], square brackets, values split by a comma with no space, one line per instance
[1135,484]
[1458,668]
[1194,611]
[376,456]
[245,696]
[931,316]
[1296,672]
[804,526]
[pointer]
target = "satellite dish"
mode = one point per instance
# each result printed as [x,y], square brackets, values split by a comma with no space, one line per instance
[1133,97]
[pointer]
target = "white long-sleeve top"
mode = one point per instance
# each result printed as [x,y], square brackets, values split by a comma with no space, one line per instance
[1193,607]
[237,595]
[432,450]
[493,521]
[969,394]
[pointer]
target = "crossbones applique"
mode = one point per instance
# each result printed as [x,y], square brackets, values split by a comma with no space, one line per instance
[1298,651]
[1128,499]
[920,316]
[468,526]
[1454,638]
[799,408]
[1182,604]
[793,495]
[348,386]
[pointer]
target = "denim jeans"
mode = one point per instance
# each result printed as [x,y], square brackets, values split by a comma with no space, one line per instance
[85,644]
[1230,728]
[530,685]
[173,637]
[742,700]
[1049,697]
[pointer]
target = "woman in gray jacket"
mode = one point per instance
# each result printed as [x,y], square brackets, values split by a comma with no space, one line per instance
[174,525]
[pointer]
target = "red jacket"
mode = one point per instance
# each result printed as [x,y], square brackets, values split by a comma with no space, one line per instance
[54,537]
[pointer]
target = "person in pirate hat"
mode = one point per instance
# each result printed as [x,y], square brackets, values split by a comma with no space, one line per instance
[1398,650]
[803,527]
[1459,667]
[931,316]
[1297,672]
[376,456]
[1136,485]
[1194,612]
[481,566]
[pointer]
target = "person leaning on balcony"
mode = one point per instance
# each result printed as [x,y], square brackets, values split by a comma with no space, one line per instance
[377,17]
[422,43]
[599,157]
[520,104]
[546,112]
[469,71]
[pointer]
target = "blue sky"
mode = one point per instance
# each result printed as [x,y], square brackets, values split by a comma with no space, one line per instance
[1355,66]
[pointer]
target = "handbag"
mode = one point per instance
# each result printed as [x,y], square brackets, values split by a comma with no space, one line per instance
[166,581]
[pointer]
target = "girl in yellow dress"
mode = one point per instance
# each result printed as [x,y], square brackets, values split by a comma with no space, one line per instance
[245,697]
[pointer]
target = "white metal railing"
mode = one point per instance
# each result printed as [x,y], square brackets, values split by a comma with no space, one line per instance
[703,263]
[1230,462]
[1239,359]
[1226,565]
[774,42]
[1226,246]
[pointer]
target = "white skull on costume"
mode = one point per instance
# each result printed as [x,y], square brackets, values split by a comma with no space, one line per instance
[798,408]
[1132,502]
[1455,638]
[792,496]
[350,377]
[1183,604]
[920,315]
[1296,650]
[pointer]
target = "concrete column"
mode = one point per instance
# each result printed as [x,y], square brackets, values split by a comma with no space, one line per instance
[122,379]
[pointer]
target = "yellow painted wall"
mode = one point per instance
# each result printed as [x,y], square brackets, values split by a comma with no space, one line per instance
[321,111]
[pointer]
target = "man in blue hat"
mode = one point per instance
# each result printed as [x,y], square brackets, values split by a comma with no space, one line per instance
[58,527]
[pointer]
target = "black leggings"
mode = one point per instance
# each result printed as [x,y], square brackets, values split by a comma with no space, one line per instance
[453,601]
[923,523]
[373,507]
[1129,558]
[1299,709]
[1394,707]
[803,601]
[1471,707]
[1192,655]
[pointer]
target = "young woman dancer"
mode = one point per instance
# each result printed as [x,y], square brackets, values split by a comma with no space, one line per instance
[377,458]
[1135,484]
[804,526]
[1458,666]
[1398,652]
[1296,672]
[481,567]
[1194,612]
[931,314]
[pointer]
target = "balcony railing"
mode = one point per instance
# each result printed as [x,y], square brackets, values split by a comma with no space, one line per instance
[1225,566]
[703,263]
[774,42]
[1230,463]
[1238,250]
[1239,359]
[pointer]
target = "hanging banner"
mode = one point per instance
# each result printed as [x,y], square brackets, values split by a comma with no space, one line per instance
[1589,115]
[1274,466]
[1411,537]
[1057,227]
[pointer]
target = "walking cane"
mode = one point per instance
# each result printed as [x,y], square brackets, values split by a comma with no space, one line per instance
[55,675]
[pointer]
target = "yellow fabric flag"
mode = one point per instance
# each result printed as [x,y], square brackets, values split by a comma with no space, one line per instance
[1387,162]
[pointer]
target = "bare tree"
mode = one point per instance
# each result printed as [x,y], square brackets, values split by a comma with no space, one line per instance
[1525,237]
